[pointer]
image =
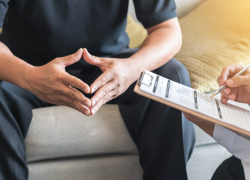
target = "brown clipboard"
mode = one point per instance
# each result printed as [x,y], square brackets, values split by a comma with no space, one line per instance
[233,128]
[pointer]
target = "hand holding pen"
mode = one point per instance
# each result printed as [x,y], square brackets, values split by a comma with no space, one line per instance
[236,84]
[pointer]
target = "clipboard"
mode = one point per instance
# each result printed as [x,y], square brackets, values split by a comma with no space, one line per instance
[179,107]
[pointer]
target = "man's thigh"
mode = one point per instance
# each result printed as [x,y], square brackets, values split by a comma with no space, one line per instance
[230,169]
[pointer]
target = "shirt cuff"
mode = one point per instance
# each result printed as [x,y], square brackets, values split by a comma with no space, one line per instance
[234,143]
[241,148]
[225,137]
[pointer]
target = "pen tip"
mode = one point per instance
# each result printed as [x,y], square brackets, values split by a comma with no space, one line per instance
[212,95]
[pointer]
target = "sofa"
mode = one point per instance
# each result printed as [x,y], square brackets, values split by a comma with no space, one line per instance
[63,144]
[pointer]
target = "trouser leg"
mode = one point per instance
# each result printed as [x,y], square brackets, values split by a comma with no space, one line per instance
[164,138]
[230,169]
[16,106]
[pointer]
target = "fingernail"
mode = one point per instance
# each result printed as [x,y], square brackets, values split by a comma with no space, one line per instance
[93,90]
[88,104]
[230,97]
[93,103]
[93,111]
[85,90]
[226,91]
[230,82]
[86,113]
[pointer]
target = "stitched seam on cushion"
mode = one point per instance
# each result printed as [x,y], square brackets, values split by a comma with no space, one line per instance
[84,155]
[80,156]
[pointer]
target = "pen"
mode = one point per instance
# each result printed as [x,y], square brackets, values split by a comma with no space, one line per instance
[224,86]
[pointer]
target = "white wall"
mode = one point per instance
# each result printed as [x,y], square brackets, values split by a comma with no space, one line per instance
[183,7]
[131,10]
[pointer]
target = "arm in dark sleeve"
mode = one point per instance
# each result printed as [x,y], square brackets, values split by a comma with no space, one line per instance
[3,9]
[153,12]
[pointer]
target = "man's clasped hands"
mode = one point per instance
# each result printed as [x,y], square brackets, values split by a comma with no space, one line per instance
[54,85]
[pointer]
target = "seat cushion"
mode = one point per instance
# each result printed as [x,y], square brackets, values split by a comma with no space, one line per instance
[59,131]
[215,35]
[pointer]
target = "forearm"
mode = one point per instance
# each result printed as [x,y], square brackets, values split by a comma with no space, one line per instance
[163,42]
[12,69]
[206,126]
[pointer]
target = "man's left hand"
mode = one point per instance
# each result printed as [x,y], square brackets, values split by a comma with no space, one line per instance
[117,76]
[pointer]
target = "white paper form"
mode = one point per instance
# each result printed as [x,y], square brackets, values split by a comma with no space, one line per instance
[196,101]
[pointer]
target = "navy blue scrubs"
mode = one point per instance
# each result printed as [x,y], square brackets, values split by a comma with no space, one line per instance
[38,31]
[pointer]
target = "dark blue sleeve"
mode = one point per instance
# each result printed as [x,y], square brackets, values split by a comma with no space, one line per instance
[153,12]
[3,9]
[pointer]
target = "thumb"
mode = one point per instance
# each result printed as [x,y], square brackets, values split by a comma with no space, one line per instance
[90,58]
[238,81]
[73,58]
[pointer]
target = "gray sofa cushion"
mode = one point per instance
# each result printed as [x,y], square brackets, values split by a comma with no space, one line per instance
[59,131]
[111,167]
[64,144]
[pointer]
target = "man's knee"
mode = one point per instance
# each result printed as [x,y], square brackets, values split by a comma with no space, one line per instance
[175,71]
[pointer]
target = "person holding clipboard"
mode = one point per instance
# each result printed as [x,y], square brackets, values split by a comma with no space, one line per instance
[237,89]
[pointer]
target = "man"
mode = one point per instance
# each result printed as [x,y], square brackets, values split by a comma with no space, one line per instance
[236,167]
[37,71]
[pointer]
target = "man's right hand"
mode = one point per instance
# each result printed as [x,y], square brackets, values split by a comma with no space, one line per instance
[238,88]
[54,85]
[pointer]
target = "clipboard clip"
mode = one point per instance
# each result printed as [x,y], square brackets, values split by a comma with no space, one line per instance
[141,79]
